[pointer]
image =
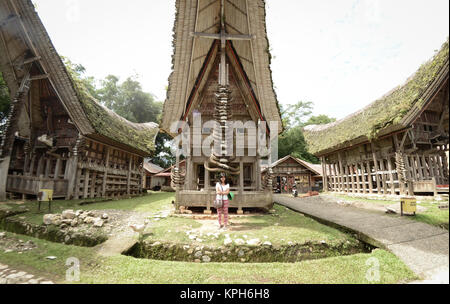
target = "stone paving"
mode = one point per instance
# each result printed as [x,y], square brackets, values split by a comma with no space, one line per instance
[12,276]
[423,248]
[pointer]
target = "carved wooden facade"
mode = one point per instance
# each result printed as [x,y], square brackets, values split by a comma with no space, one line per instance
[290,171]
[57,136]
[408,155]
[209,35]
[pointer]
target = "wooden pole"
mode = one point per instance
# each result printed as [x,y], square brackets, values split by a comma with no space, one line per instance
[77,184]
[241,185]
[57,169]
[375,161]
[325,176]
[86,183]
[391,176]
[363,177]
[93,184]
[105,174]
[341,172]
[383,176]
[369,177]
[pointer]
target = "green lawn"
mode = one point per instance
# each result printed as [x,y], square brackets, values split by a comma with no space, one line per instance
[152,202]
[279,228]
[124,269]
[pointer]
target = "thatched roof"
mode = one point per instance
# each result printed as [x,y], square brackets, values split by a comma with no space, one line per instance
[393,112]
[191,55]
[152,168]
[316,169]
[24,37]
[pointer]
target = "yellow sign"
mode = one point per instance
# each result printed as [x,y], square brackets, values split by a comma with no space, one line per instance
[408,205]
[45,195]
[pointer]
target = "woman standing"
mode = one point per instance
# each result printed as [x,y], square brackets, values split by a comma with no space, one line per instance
[222,190]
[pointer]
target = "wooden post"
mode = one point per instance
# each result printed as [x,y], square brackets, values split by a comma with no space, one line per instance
[375,161]
[383,176]
[33,161]
[48,165]
[40,167]
[57,169]
[258,173]
[241,185]
[86,183]
[412,161]
[336,178]
[369,177]
[358,180]
[93,184]
[325,175]
[341,172]
[426,172]
[77,184]
[70,175]
[419,167]
[105,174]
[363,177]
[130,164]
[391,176]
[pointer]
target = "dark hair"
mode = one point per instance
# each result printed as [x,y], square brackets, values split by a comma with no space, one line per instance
[222,175]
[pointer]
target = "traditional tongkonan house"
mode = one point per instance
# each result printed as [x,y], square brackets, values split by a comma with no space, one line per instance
[398,144]
[149,181]
[57,136]
[290,171]
[221,72]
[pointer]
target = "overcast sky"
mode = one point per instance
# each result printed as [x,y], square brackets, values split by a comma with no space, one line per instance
[339,54]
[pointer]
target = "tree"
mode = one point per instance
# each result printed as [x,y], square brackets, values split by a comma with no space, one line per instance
[129,100]
[295,118]
[295,115]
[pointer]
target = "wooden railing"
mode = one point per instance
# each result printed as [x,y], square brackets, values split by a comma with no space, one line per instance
[32,184]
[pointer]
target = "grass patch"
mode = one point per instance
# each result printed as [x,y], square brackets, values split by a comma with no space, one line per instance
[152,202]
[124,269]
[280,228]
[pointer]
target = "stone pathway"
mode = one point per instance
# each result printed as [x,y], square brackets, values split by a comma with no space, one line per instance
[422,247]
[12,276]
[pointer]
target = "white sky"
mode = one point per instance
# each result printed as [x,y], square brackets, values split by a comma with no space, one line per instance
[339,54]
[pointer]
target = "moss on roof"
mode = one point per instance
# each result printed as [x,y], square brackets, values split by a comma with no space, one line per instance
[109,124]
[381,114]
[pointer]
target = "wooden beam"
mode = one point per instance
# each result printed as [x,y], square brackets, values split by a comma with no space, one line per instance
[57,169]
[77,184]
[325,175]
[369,177]
[391,175]
[225,36]
[383,176]
[363,177]
[86,183]
[375,162]
[93,184]
[419,167]
[105,174]
[341,171]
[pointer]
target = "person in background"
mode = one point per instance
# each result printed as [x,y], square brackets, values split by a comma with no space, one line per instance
[222,190]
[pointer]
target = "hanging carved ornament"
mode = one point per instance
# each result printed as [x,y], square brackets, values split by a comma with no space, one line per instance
[401,168]
[268,180]
[222,114]
[177,178]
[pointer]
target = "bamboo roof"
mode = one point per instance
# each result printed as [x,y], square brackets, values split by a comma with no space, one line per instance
[316,169]
[393,112]
[23,36]
[192,55]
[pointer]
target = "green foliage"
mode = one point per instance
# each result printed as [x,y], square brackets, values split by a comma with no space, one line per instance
[128,100]
[295,114]
[383,113]
[292,141]
[105,123]
[319,120]
[4,101]
[163,156]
